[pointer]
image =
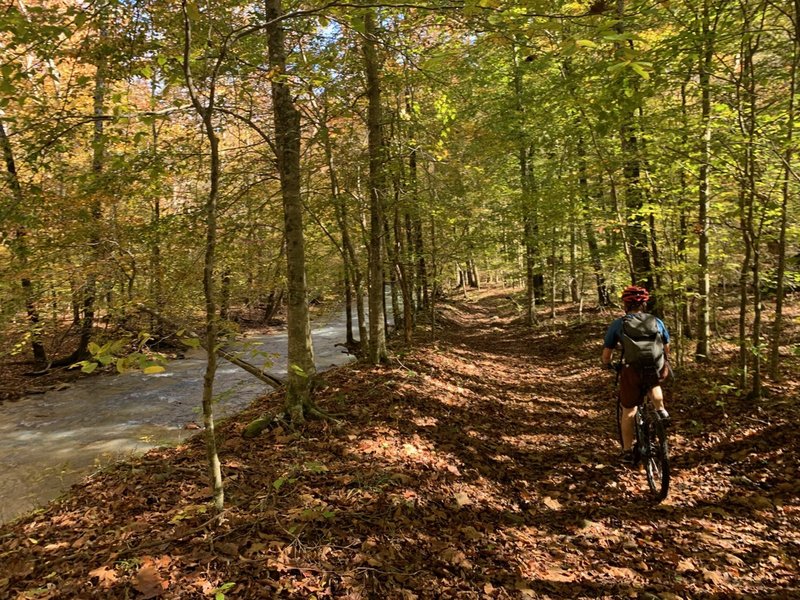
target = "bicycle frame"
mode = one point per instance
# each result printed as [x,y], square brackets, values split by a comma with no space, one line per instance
[650,442]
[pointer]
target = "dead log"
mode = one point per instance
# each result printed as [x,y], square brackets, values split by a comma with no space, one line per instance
[221,352]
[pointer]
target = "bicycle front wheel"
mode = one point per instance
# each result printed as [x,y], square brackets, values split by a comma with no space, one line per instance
[656,458]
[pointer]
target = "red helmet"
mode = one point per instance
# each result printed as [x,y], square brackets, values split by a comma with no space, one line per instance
[634,294]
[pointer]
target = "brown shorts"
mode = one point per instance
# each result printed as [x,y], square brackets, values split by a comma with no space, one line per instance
[632,382]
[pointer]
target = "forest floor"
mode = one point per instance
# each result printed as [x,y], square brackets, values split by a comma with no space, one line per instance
[481,463]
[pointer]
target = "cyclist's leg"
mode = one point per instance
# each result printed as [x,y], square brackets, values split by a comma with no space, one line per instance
[626,422]
[629,395]
[657,396]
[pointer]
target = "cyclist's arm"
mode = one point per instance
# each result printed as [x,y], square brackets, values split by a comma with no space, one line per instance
[610,341]
[664,335]
[606,357]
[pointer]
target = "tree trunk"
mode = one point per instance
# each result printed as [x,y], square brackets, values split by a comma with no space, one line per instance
[301,368]
[634,198]
[206,112]
[422,272]
[377,191]
[349,257]
[95,237]
[391,260]
[703,313]
[603,298]
[683,227]
[21,250]
[750,117]
[156,263]
[777,326]
[574,291]
[402,278]
[350,339]
[225,296]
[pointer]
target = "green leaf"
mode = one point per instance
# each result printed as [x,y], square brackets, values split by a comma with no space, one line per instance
[298,370]
[89,367]
[357,23]
[191,342]
[105,359]
[94,348]
[192,11]
[585,43]
[640,70]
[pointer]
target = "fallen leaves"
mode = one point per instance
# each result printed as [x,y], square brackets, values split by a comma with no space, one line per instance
[149,582]
[462,499]
[106,576]
[492,474]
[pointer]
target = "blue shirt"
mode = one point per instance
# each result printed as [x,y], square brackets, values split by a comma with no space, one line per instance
[614,333]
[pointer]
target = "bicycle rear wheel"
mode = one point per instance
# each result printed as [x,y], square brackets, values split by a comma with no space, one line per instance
[656,457]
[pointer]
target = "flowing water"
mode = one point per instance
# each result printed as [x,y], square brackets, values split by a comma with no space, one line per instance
[49,442]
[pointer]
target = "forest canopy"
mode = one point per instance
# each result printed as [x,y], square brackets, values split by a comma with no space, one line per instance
[215,162]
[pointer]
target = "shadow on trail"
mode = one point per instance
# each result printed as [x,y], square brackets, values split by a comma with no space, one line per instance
[482,466]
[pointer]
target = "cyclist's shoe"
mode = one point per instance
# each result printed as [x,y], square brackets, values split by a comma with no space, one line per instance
[627,458]
[664,416]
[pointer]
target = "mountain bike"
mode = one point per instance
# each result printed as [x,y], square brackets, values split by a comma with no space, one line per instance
[650,447]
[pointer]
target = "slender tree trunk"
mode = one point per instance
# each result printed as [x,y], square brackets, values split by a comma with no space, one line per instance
[392,259]
[752,45]
[634,198]
[402,277]
[98,164]
[21,249]
[573,261]
[377,190]
[705,64]
[422,271]
[225,295]
[777,326]
[410,262]
[683,227]
[206,112]
[287,145]
[434,276]
[350,340]
[603,298]
[349,257]
[156,263]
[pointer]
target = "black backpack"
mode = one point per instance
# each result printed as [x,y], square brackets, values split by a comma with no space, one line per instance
[642,343]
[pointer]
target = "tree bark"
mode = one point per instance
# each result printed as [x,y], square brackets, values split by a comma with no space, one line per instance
[21,249]
[206,113]
[777,326]
[704,74]
[377,191]
[287,145]
[603,298]
[641,273]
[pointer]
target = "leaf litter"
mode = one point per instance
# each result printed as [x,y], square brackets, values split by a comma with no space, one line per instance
[484,465]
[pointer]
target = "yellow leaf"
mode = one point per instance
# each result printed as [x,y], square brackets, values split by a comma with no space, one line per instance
[153,369]
[462,499]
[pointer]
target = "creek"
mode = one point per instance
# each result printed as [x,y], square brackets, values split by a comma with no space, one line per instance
[50,441]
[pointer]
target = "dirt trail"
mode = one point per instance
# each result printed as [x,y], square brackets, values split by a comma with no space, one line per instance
[480,464]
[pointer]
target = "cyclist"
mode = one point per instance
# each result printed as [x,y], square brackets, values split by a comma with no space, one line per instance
[633,380]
